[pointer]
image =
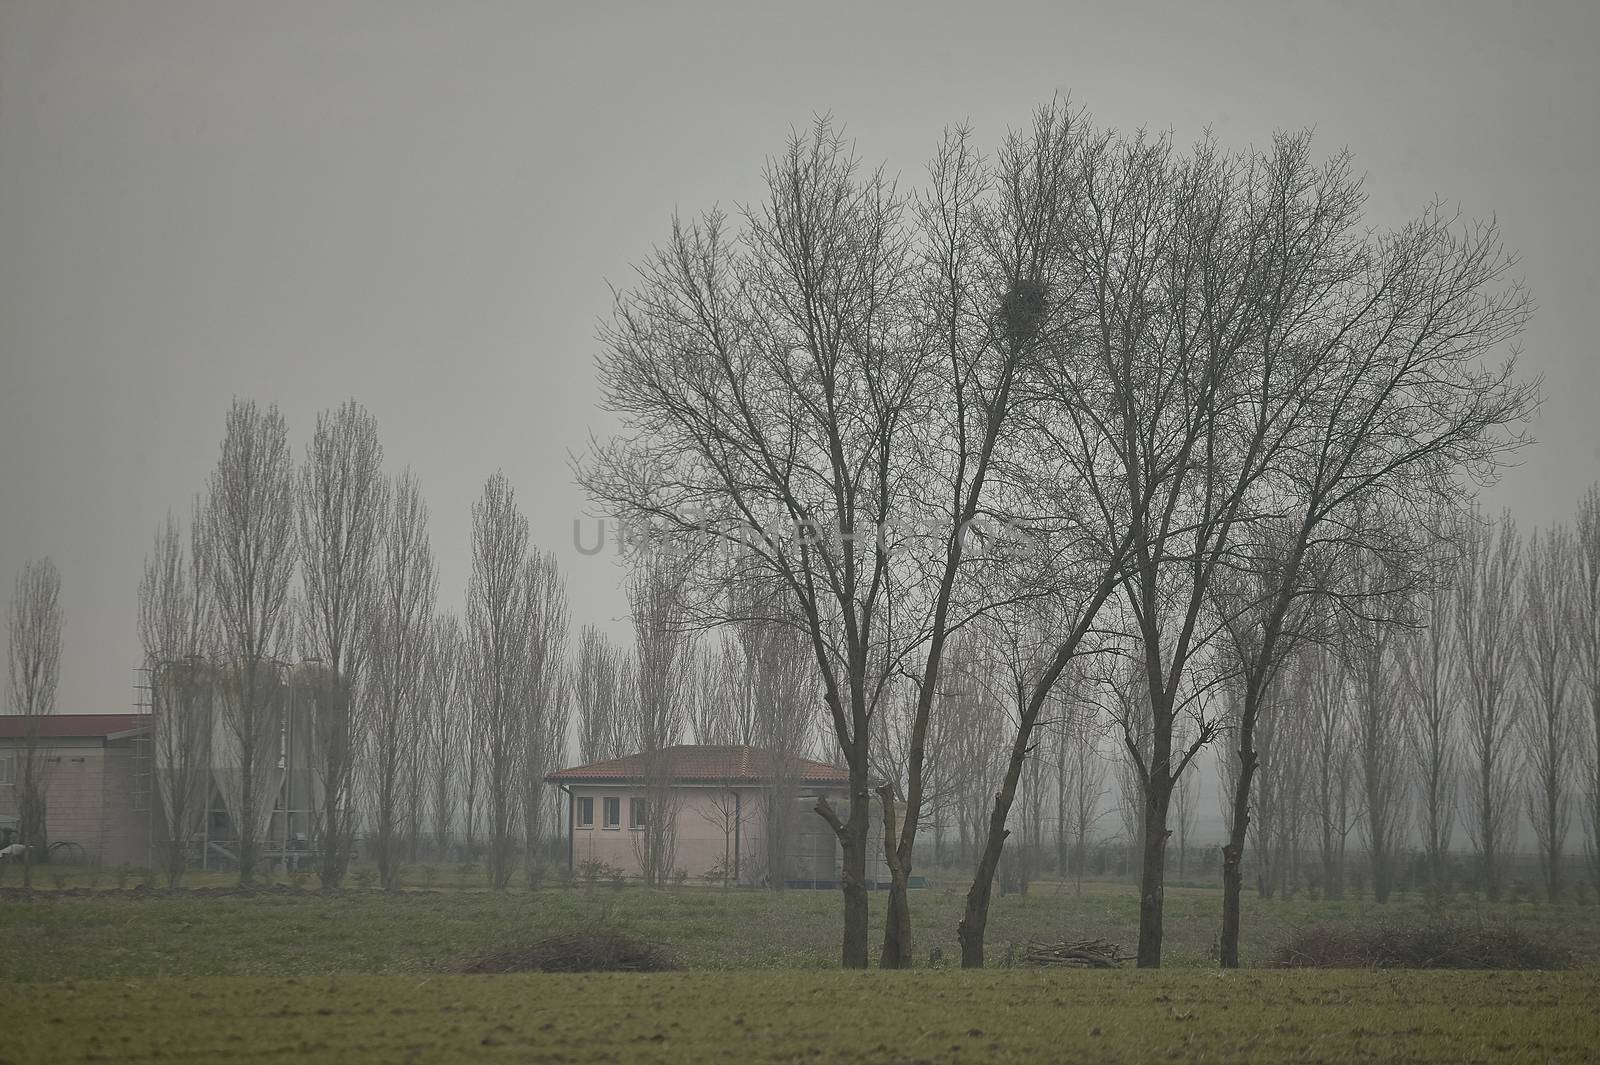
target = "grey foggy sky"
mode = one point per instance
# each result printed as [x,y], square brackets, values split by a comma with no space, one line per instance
[420,205]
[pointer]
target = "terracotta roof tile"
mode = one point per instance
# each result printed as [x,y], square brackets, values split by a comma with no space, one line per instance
[703,764]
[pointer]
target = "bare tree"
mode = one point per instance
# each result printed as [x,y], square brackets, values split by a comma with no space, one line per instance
[1014,640]
[724,810]
[475,749]
[175,629]
[1129,712]
[250,540]
[1487,617]
[993,292]
[1292,765]
[804,391]
[1284,747]
[1380,726]
[497,640]
[1429,672]
[764,385]
[663,661]
[34,664]
[1548,725]
[949,766]
[785,702]
[407,587]
[1186,814]
[1056,741]
[1334,798]
[974,717]
[1382,395]
[343,503]
[714,711]
[544,694]
[1026,856]
[446,736]
[1086,767]
[597,676]
[1586,639]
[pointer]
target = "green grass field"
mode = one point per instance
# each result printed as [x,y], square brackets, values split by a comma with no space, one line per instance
[288,932]
[991,1016]
[362,975]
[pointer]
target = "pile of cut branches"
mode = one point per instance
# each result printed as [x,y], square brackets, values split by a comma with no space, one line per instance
[1084,954]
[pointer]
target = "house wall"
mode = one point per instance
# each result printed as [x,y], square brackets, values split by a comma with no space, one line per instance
[702,836]
[90,798]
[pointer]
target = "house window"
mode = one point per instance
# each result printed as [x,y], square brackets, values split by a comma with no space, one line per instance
[636,813]
[613,813]
[8,769]
[586,812]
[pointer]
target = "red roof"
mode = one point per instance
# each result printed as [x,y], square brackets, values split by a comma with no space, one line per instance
[72,726]
[703,765]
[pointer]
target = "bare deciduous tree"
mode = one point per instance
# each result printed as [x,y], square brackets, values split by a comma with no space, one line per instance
[1379,734]
[782,723]
[250,540]
[34,668]
[343,503]
[175,629]
[544,695]
[663,660]
[714,713]
[725,811]
[993,288]
[497,642]
[596,681]
[764,385]
[1548,725]
[1334,798]
[1186,814]
[1429,671]
[1586,640]
[1487,616]
[445,730]
[1086,767]
[1381,395]
[407,587]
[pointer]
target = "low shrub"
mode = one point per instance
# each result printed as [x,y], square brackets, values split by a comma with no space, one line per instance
[587,950]
[1434,944]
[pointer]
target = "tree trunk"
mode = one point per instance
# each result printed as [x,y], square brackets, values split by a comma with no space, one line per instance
[853,953]
[897,927]
[976,915]
[852,835]
[1153,871]
[247,820]
[975,918]
[1553,819]
[1233,852]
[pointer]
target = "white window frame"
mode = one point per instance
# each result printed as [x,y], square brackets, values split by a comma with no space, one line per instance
[607,804]
[586,824]
[636,804]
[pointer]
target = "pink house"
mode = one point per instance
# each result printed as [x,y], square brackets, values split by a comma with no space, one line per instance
[740,813]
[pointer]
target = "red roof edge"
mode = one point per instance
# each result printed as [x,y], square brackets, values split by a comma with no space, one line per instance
[72,726]
[703,764]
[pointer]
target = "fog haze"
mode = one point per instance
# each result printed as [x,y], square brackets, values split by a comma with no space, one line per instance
[422,206]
